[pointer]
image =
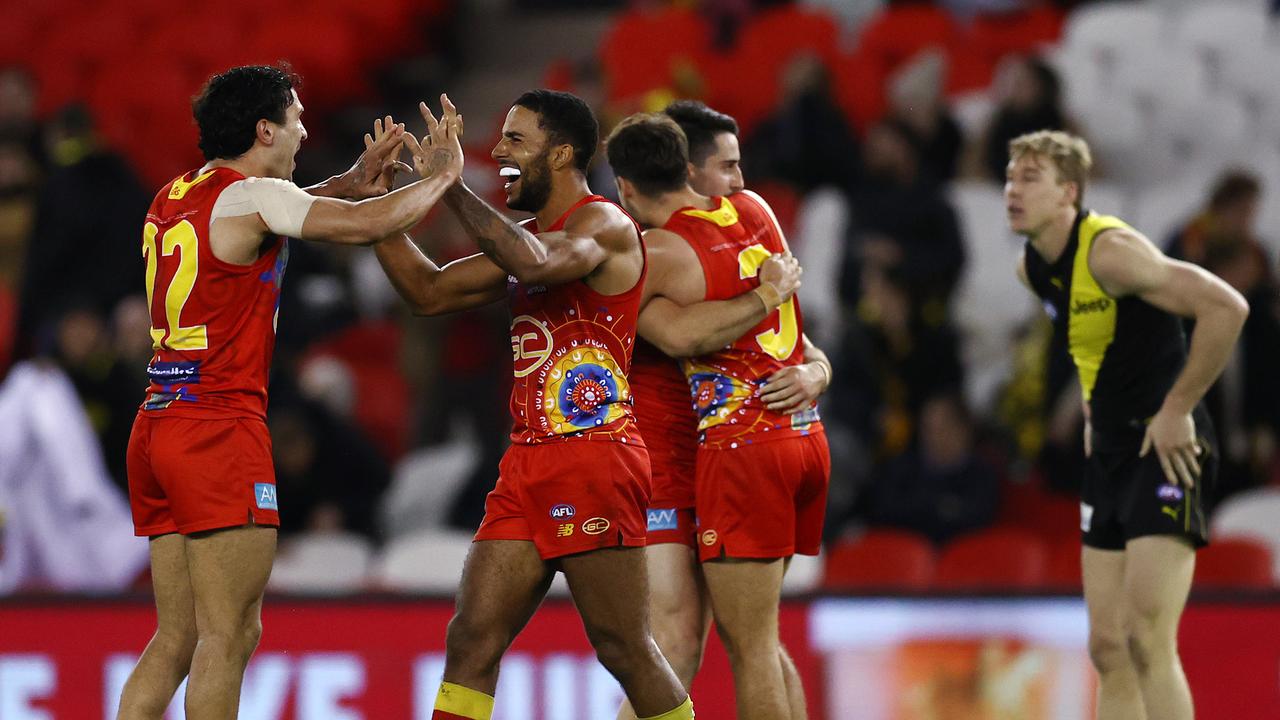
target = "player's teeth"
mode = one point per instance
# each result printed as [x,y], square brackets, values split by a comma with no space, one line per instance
[509,172]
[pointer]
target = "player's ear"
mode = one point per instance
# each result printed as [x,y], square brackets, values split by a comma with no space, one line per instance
[691,169]
[561,157]
[266,131]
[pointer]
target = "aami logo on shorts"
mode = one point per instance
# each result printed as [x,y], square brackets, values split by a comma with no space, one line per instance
[531,344]
[1169,493]
[663,519]
[265,494]
[595,526]
[709,537]
[563,511]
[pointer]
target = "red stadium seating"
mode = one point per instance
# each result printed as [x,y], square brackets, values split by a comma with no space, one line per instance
[880,559]
[1064,565]
[1234,563]
[643,48]
[1027,505]
[372,352]
[998,559]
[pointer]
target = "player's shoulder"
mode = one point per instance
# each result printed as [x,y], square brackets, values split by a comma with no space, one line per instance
[655,238]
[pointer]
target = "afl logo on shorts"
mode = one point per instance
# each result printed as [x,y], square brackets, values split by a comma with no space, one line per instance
[595,526]
[562,511]
[709,537]
[531,344]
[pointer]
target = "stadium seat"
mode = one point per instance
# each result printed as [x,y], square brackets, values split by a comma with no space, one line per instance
[1160,80]
[1028,507]
[804,575]
[424,484]
[880,560]
[1234,563]
[1109,198]
[1251,514]
[322,563]
[638,53]
[994,560]
[1218,30]
[1111,30]
[819,243]
[1162,208]
[427,561]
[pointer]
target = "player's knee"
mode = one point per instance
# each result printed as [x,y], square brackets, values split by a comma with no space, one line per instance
[620,651]
[683,650]
[473,646]
[177,643]
[745,641]
[1150,642]
[1109,652]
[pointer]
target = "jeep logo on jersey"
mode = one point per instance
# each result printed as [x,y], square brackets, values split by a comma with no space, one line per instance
[1082,306]
[561,511]
[595,526]
[265,493]
[531,344]
[663,519]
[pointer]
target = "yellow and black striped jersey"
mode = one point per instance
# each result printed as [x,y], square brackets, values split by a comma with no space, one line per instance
[1127,352]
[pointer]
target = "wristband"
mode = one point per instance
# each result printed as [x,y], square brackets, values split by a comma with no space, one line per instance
[770,296]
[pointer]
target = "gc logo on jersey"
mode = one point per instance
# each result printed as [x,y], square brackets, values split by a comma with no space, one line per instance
[531,344]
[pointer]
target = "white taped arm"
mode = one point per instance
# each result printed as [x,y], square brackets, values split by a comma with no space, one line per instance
[282,205]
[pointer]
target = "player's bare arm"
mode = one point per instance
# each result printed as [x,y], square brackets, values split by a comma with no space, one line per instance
[1126,263]
[796,388]
[675,318]
[280,207]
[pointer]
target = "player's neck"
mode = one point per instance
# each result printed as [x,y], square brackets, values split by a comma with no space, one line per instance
[565,192]
[1052,238]
[671,203]
[247,165]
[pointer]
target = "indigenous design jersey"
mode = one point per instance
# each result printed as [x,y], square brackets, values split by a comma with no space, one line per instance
[212,323]
[667,421]
[571,348]
[732,242]
[1128,353]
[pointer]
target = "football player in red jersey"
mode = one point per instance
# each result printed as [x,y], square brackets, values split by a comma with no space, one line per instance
[679,609]
[762,466]
[573,488]
[201,482]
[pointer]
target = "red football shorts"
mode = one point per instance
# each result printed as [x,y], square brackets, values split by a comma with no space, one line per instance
[569,497]
[188,475]
[763,500]
[671,505]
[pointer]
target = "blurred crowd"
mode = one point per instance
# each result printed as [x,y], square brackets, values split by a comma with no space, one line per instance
[369,405]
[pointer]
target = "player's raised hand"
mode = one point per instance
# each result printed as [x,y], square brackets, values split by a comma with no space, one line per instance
[782,272]
[440,150]
[385,133]
[373,173]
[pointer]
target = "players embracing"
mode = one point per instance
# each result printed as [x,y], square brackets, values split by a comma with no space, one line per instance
[762,466]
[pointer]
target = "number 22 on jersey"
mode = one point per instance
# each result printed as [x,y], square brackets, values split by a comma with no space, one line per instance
[778,343]
[169,333]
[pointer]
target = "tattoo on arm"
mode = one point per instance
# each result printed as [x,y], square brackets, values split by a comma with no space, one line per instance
[510,245]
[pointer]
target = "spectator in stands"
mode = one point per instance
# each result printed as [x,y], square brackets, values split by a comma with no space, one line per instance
[891,360]
[1028,98]
[941,488]
[18,112]
[916,100]
[107,388]
[1245,402]
[903,220]
[91,206]
[806,142]
[330,473]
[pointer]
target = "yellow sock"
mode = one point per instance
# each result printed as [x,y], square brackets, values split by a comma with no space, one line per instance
[455,702]
[683,712]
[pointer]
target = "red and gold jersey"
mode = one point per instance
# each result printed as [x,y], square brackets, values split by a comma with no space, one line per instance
[572,348]
[212,322]
[664,412]
[732,242]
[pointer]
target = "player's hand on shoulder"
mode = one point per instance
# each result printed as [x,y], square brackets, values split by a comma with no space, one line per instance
[782,272]
[439,152]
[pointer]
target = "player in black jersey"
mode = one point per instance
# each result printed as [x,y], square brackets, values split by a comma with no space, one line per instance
[1149,443]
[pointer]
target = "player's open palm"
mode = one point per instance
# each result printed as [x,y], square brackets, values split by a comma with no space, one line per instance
[440,151]
[1173,436]
[782,272]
